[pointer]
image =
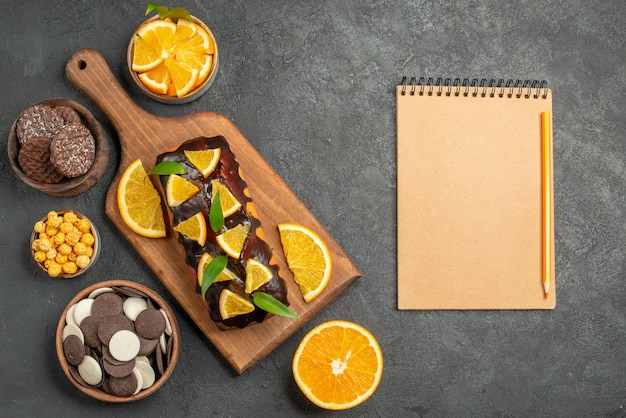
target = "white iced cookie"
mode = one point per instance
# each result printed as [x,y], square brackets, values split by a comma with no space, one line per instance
[90,371]
[133,306]
[124,345]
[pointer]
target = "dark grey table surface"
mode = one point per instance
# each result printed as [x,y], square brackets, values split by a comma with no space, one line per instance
[311,85]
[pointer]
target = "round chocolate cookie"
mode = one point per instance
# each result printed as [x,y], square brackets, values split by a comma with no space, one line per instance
[89,327]
[74,350]
[72,150]
[107,304]
[34,160]
[150,324]
[69,115]
[121,386]
[37,121]
[111,324]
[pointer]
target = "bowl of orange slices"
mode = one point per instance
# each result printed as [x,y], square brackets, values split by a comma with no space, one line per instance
[172,57]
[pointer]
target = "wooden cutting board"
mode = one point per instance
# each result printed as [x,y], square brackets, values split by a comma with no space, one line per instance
[143,135]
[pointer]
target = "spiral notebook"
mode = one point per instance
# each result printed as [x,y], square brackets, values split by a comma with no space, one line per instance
[474,219]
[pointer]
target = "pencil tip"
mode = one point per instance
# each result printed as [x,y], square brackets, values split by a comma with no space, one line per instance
[547,295]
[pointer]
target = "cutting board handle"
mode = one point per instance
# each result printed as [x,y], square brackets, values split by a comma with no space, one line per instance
[89,72]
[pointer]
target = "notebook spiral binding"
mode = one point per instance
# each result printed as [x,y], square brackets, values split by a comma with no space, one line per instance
[466,86]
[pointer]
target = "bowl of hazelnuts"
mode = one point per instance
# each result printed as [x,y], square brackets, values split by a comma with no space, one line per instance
[64,244]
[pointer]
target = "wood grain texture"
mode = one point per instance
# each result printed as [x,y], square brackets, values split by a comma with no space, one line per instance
[143,135]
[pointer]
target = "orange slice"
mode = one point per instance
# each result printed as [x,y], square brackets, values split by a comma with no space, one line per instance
[203,62]
[160,30]
[178,190]
[204,261]
[146,55]
[193,228]
[338,365]
[257,274]
[308,258]
[232,240]
[205,161]
[200,42]
[139,202]
[228,201]
[183,76]
[156,79]
[184,31]
[231,304]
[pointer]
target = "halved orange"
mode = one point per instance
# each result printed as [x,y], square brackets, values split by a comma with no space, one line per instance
[308,258]
[228,201]
[231,304]
[205,161]
[194,228]
[338,365]
[257,274]
[139,202]
[232,240]
[204,261]
[178,190]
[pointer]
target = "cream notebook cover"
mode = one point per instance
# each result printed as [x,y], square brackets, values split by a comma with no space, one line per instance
[469,195]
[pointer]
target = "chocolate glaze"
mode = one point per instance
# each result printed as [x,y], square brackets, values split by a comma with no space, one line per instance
[227,171]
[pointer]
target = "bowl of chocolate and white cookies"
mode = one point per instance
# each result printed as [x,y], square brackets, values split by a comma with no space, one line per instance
[58,147]
[117,341]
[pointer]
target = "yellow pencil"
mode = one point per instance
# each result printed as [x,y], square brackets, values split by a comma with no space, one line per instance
[546,146]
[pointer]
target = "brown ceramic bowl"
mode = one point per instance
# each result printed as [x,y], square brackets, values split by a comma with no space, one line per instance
[67,186]
[92,259]
[167,359]
[163,98]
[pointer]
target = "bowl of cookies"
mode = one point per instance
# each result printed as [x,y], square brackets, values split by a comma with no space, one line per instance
[58,147]
[117,341]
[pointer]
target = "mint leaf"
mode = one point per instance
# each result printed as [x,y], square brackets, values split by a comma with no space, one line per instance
[215,267]
[179,13]
[272,305]
[167,167]
[216,216]
[161,10]
[173,13]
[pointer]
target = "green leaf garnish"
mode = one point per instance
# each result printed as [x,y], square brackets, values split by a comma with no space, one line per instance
[161,10]
[173,13]
[167,167]
[272,305]
[216,216]
[179,13]
[215,267]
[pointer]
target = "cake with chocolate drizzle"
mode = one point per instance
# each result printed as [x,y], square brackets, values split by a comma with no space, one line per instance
[227,174]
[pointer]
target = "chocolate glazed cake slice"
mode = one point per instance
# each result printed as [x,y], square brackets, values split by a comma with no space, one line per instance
[226,178]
